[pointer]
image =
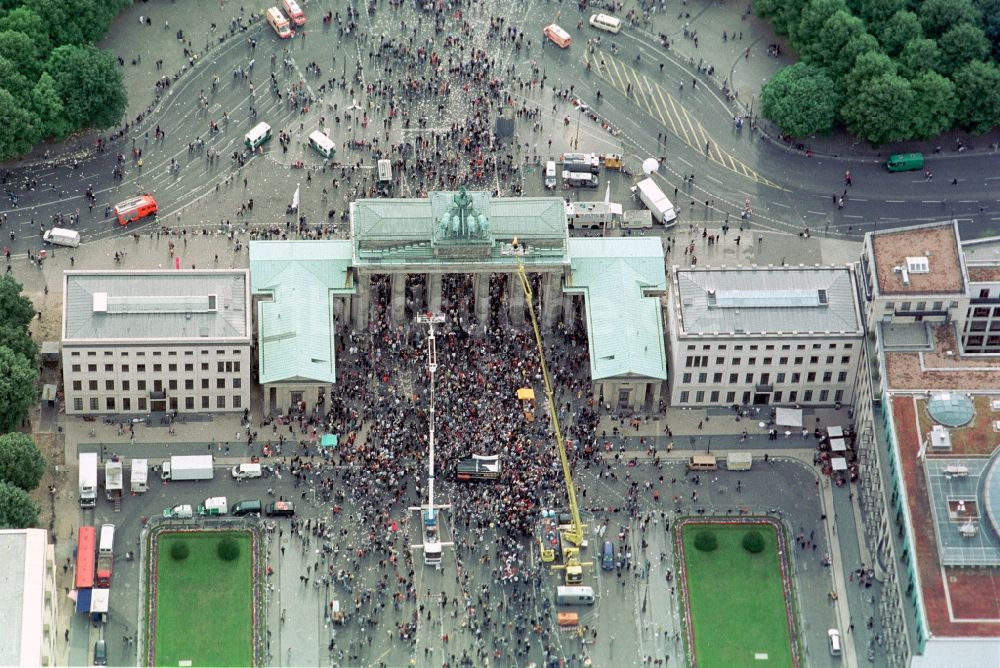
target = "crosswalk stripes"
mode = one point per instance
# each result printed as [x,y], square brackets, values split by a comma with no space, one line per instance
[652,98]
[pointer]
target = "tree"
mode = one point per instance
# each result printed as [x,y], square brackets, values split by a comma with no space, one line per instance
[801,100]
[18,391]
[936,112]
[17,510]
[784,14]
[899,30]
[753,542]
[960,45]
[990,10]
[18,341]
[876,12]
[179,551]
[805,33]
[21,463]
[706,541]
[15,308]
[919,55]
[89,84]
[21,50]
[228,549]
[48,108]
[17,128]
[848,55]
[978,87]
[880,111]
[25,21]
[868,66]
[836,32]
[938,16]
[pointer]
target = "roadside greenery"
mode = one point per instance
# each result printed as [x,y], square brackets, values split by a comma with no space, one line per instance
[53,82]
[886,70]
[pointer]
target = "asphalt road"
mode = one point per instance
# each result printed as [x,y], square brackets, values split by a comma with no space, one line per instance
[787,189]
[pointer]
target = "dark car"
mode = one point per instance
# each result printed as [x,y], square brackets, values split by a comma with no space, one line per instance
[100,653]
[608,556]
[280,509]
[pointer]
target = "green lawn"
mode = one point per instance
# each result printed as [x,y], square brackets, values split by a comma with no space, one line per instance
[203,603]
[737,604]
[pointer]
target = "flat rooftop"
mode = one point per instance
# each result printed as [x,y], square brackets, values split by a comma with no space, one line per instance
[942,368]
[938,243]
[130,306]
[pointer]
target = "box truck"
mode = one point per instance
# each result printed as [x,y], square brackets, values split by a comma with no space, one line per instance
[650,194]
[140,476]
[106,556]
[88,479]
[187,467]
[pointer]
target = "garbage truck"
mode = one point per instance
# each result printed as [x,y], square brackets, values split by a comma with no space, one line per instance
[187,467]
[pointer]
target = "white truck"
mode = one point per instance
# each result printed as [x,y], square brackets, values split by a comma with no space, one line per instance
[650,194]
[593,215]
[140,476]
[113,478]
[88,479]
[187,467]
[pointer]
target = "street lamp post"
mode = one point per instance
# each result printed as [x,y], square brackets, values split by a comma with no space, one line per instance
[579,113]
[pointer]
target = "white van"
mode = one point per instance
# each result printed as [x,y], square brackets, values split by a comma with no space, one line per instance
[574,595]
[579,179]
[384,170]
[323,144]
[62,237]
[107,544]
[257,136]
[833,636]
[215,505]
[550,175]
[245,471]
[606,23]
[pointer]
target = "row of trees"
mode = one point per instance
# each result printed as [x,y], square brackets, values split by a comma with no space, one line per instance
[21,464]
[887,70]
[53,81]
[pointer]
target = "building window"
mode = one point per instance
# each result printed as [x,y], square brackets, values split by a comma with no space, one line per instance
[220,383]
[220,401]
[189,403]
[126,404]
[738,348]
[686,378]
[189,384]
[749,378]
[109,368]
[734,378]
[838,396]
[814,359]
[220,366]
[126,385]
[716,377]
[189,368]
[204,366]
[172,384]
[938,306]
[848,346]
[78,404]
[124,368]
[798,361]
[684,397]
[142,403]
[188,353]
[792,396]
[237,383]
[827,376]
[752,361]
[702,378]
[780,377]
[172,367]
[737,361]
[157,353]
[140,385]
[77,385]
[237,401]
[829,359]
[76,368]
[92,368]
[714,397]
[140,368]
[807,395]
[842,377]
[776,398]
[768,361]
[229,367]
[699,397]
[796,376]
[730,397]
[95,405]
[109,385]
[720,360]
[811,377]
[753,347]
[824,395]
[204,402]
[157,368]
[92,385]
[204,383]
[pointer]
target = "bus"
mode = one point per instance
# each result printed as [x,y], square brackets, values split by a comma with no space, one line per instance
[86,543]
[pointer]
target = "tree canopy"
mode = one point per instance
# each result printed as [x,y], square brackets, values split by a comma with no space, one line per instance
[17,510]
[18,388]
[21,463]
[52,81]
[938,57]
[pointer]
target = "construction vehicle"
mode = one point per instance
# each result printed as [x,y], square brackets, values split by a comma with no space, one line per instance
[526,396]
[572,539]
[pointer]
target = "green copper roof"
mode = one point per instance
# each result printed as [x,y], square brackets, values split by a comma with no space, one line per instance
[624,327]
[295,328]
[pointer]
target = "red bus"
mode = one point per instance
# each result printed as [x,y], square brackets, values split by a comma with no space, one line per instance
[86,547]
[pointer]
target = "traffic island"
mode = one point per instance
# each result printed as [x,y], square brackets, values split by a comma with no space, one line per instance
[204,592]
[738,604]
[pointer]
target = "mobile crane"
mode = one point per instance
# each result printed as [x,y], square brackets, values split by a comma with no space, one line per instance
[573,537]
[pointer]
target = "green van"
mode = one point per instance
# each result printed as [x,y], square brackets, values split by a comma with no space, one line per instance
[257,136]
[251,507]
[905,162]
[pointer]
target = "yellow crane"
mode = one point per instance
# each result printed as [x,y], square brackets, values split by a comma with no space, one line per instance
[573,537]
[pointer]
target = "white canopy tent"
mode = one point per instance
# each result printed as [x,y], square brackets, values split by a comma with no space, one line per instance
[789,417]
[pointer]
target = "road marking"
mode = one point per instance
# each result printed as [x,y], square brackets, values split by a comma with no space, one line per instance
[712,178]
[930,201]
[846,215]
[895,201]
[968,201]
[818,213]
[652,98]
[858,199]
[781,205]
[887,218]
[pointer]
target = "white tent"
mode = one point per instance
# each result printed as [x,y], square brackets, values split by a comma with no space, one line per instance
[838,444]
[789,417]
[838,464]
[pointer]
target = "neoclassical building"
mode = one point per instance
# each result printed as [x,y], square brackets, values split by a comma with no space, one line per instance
[404,254]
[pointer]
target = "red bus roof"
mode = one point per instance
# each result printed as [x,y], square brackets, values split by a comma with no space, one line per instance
[85,554]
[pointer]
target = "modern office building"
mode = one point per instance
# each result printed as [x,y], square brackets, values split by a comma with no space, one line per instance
[927,417]
[763,335]
[156,341]
[28,599]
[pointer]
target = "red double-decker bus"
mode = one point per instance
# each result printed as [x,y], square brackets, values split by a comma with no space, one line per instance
[86,549]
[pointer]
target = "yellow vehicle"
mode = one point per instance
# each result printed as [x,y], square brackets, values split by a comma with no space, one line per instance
[526,396]
[612,161]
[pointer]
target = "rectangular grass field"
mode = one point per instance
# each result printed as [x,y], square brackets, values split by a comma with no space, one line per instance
[737,600]
[203,611]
